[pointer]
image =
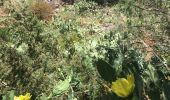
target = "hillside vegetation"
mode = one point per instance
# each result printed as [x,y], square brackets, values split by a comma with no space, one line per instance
[84,50]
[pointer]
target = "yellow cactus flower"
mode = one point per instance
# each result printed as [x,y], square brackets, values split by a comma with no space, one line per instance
[123,87]
[22,97]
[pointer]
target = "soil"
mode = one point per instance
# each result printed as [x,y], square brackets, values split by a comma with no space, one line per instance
[2,13]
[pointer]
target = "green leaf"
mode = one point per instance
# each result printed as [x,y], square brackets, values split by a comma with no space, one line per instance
[118,64]
[44,97]
[9,96]
[105,70]
[61,86]
[167,89]
[152,73]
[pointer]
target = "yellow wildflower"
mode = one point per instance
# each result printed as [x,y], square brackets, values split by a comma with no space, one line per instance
[22,97]
[123,87]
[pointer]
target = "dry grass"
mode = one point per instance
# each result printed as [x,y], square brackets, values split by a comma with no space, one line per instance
[42,10]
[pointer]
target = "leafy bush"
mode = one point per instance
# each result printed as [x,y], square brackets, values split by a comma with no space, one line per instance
[146,75]
[127,58]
